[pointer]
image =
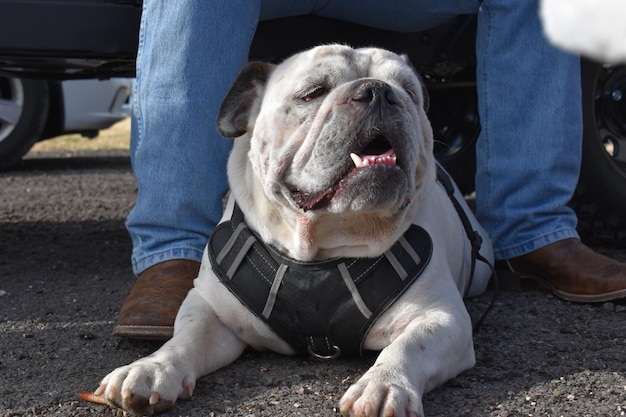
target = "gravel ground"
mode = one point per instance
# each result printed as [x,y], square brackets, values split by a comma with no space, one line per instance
[65,271]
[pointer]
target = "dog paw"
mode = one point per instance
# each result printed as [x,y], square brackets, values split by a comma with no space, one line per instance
[381,394]
[146,386]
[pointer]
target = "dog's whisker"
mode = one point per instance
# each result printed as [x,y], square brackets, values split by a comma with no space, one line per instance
[438,142]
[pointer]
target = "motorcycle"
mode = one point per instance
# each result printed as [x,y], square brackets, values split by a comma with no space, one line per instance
[445,57]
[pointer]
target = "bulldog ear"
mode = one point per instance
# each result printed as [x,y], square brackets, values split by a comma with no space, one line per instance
[426,97]
[241,99]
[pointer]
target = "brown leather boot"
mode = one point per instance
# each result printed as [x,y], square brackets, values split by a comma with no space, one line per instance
[151,306]
[573,271]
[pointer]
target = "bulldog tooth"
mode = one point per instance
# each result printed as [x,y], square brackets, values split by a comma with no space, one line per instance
[356,159]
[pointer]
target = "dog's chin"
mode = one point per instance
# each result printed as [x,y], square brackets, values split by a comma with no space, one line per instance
[367,189]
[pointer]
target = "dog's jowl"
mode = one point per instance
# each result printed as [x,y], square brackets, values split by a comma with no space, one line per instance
[338,237]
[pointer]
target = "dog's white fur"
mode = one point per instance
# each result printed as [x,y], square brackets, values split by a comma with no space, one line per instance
[594,28]
[425,338]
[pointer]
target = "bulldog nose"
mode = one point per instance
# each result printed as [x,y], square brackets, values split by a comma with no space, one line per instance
[374,91]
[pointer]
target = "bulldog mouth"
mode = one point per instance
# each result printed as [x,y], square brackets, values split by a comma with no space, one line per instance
[366,160]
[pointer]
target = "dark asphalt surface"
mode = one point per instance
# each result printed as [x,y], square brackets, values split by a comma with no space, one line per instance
[65,271]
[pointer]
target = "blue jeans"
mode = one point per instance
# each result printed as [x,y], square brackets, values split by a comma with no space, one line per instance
[190,52]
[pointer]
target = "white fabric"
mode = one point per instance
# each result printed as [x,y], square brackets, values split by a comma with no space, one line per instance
[593,28]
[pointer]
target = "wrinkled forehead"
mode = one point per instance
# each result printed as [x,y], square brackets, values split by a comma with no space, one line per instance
[337,63]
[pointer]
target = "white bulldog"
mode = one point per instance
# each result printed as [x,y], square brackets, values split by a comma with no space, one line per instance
[337,237]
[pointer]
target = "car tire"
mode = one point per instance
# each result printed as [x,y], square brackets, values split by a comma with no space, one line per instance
[600,198]
[24,106]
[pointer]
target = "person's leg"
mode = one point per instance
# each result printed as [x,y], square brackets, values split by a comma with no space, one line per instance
[185,65]
[529,153]
[177,155]
[529,148]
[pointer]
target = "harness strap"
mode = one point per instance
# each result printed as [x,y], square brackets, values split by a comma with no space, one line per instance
[474,238]
[324,308]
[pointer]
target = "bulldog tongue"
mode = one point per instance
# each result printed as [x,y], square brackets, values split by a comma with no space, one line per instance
[387,158]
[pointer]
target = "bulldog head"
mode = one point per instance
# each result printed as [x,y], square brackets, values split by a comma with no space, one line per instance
[336,142]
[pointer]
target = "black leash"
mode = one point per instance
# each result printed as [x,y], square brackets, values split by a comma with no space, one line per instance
[496,286]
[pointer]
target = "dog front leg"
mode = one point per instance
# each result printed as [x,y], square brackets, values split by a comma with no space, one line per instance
[201,345]
[431,349]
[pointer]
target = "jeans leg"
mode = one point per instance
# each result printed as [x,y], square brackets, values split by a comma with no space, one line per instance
[184,68]
[529,149]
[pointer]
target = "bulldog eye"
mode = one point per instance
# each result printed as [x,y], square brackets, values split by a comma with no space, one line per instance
[314,93]
[413,94]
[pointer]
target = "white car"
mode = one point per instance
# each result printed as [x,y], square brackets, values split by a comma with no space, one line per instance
[34,110]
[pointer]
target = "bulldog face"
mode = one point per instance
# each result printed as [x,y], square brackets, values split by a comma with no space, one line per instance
[334,129]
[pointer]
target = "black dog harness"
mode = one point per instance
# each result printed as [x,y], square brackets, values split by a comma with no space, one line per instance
[324,308]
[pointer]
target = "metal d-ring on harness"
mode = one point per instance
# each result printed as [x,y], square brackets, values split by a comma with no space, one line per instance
[334,352]
[474,238]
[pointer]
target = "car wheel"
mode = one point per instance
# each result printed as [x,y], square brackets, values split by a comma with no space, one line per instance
[24,108]
[600,199]
[454,117]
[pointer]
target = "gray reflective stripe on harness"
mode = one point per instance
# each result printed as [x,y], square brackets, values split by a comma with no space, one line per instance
[317,307]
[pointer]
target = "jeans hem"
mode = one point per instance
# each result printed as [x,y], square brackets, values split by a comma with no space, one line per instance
[534,244]
[141,263]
